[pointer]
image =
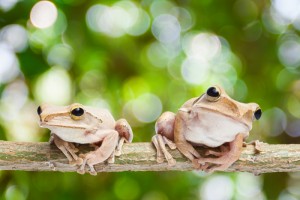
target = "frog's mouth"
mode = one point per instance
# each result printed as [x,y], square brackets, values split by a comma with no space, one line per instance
[54,125]
[238,118]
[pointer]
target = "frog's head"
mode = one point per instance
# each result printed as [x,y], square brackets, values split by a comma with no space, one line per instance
[74,116]
[217,101]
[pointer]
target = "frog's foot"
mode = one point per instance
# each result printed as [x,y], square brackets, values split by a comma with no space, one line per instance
[95,146]
[125,133]
[159,153]
[226,160]
[103,153]
[111,158]
[257,145]
[159,142]
[223,150]
[118,150]
[187,150]
[68,149]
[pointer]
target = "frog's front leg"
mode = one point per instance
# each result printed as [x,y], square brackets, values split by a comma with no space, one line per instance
[164,129]
[183,146]
[106,149]
[225,161]
[68,150]
[125,133]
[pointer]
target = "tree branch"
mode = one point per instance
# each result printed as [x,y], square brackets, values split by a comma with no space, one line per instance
[142,157]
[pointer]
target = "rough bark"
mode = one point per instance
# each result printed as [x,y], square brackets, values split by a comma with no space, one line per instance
[142,157]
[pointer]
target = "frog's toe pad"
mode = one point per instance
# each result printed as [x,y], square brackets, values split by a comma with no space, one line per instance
[171,162]
[93,173]
[78,161]
[80,171]
[160,159]
[118,152]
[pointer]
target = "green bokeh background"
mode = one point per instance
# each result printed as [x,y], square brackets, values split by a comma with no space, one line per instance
[142,57]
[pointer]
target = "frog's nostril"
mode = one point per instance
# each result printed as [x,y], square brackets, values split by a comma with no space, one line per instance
[39,110]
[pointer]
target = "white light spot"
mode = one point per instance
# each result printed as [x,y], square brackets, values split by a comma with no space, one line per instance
[54,87]
[6,5]
[203,46]
[123,17]
[217,188]
[293,128]
[184,17]
[18,114]
[14,97]
[288,9]
[147,108]
[43,14]
[15,36]
[141,24]
[166,28]
[273,21]
[289,52]
[104,19]
[248,186]
[194,71]
[9,64]
[273,122]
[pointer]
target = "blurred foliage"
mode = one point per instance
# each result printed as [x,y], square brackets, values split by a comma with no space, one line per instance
[139,59]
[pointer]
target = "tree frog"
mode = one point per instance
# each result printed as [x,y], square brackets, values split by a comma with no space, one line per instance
[214,120]
[85,125]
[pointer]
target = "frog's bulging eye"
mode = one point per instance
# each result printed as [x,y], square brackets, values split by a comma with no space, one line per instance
[76,113]
[39,110]
[257,114]
[213,93]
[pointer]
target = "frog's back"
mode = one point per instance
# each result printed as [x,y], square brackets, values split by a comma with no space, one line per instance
[103,114]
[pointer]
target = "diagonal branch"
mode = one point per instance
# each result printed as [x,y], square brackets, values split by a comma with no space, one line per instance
[142,157]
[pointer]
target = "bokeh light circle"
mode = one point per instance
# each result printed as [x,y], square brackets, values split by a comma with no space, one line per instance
[43,14]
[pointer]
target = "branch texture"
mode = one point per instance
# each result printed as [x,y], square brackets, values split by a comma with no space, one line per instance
[142,157]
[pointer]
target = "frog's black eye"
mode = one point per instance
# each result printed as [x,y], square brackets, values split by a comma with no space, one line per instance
[213,93]
[77,113]
[257,114]
[39,110]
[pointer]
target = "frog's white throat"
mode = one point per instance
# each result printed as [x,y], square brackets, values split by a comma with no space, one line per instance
[213,129]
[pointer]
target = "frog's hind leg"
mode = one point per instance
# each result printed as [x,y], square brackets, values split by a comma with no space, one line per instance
[170,143]
[103,153]
[168,156]
[226,160]
[164,129]
[68,150]
[125,133]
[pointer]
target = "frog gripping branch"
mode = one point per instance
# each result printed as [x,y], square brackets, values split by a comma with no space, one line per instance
[212,120]
[85,125]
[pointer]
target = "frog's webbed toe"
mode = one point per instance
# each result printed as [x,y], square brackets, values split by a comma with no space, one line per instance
[222,151]
[68,149]
[188,150]
[118,151]
[226,160]
[159,142]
